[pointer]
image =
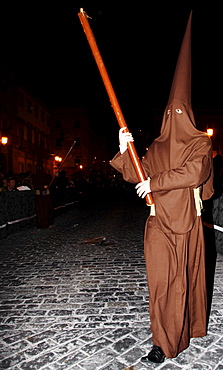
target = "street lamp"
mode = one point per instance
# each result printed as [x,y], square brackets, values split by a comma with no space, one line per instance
[4,140]
[58,159]
[210,132]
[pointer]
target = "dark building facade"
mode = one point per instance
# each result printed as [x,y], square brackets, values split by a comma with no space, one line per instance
[26,123]
[72,126]
[38,133]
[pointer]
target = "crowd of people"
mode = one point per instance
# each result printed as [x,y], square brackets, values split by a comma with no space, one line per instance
[87,188]
[16,182]
[96,182]
[54,193]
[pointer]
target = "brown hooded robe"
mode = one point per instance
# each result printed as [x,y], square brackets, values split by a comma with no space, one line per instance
[177,162]
[44,206]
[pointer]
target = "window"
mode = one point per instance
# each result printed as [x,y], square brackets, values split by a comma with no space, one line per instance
[21,167]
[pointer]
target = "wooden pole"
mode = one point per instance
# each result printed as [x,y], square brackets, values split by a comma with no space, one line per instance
[114,102]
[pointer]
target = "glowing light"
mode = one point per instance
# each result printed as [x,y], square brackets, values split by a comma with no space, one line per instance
[4,140]
[210,131]
[58,159]
[81,167]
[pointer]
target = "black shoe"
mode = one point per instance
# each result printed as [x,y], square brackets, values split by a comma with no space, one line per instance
[155,355]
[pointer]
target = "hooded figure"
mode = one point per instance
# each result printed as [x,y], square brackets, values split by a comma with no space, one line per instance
[179,168]
[44,207]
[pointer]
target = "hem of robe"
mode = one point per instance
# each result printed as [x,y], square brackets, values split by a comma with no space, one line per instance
[197,281]
[174,355]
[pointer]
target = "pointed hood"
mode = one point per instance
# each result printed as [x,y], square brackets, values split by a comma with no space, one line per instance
[180,146]
[178,120]
[178,133]
[181,86]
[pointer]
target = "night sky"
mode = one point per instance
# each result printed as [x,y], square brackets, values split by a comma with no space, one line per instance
[44,45]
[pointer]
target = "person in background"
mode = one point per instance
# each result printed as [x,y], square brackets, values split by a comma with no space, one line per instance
[44,207]
[4,184]
[11,184]
[25,184]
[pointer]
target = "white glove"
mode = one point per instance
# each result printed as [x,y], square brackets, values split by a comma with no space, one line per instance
[143,188]
[124,139]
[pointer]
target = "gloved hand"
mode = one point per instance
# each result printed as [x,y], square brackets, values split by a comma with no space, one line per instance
[124,139]
[143,188]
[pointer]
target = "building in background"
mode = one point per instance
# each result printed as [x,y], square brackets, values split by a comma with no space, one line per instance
[36,133]
[89,152]
[26,122]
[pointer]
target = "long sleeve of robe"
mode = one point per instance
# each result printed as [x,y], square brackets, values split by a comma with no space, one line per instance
[172,188]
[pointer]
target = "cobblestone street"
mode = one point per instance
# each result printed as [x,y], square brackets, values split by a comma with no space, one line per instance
[68,302]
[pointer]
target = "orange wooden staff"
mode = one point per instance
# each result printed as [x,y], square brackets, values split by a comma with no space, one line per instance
[114,102]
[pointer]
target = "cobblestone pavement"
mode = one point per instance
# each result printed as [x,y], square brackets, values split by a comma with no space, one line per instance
[68,303]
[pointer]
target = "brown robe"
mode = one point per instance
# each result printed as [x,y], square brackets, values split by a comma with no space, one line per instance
[174,251]
[178,161]
[44,206]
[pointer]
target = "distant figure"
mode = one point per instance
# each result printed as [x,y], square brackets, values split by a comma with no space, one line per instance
[44,207]
[4,184]
[2,176]
[61,185]
[25,185]
[11,184]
